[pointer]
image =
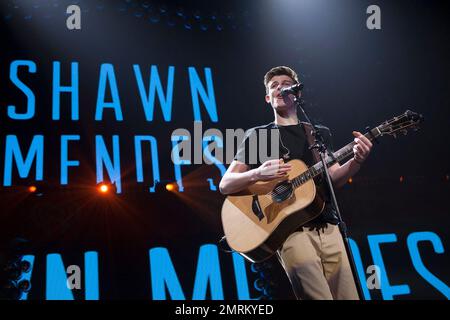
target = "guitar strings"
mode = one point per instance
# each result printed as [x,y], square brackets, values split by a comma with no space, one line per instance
[284,188]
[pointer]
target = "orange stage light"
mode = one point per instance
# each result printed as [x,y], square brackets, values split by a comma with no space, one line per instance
[103,188]
[32,188]
[170,187]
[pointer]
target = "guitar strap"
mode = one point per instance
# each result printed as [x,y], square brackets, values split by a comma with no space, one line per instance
[308,132]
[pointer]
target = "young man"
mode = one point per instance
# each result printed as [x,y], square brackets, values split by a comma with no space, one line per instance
[313,256]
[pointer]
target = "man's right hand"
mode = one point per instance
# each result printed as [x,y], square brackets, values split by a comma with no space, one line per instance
[238,176]
[272,169]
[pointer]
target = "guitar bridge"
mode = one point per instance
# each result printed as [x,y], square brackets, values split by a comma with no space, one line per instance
[256,207]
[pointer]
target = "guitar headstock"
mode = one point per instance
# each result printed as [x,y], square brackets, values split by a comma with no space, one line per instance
[401,124]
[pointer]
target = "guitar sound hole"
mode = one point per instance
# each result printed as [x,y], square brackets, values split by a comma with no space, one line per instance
[282,191]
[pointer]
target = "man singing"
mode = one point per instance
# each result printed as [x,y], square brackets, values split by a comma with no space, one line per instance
[313,256]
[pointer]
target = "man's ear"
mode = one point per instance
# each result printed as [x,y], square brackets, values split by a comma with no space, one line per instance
[267,98]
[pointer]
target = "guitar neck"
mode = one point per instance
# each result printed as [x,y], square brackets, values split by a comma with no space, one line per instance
[338,156]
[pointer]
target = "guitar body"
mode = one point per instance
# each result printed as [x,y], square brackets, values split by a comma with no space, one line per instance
[256,223]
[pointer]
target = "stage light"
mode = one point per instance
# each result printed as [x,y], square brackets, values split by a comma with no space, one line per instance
[146,5]
[350,180]
[13,282]
[264,282]
[24,286]
[197,15]
[37,190]
[163,186]
[163,9]
[103,188]
[401,179]
[259,284]
[180,12]
[170,187]
[154,18]
[25,266]
[106,188]
[188,25]
[138,14]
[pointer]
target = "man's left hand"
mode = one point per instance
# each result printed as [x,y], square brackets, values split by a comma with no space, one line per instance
[362,147]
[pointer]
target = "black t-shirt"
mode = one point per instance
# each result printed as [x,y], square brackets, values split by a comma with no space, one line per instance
[293,144]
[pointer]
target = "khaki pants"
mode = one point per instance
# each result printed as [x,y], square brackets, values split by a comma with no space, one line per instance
[317,265]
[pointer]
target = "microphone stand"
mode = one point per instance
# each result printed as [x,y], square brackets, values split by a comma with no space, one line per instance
[320,146]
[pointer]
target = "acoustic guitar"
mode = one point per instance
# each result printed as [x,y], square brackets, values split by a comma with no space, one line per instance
[258,220]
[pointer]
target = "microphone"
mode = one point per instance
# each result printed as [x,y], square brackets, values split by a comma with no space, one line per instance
[294,89]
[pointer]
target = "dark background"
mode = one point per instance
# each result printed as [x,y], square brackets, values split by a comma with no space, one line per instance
[354,77]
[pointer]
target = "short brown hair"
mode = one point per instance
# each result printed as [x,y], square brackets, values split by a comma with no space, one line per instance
[278,71]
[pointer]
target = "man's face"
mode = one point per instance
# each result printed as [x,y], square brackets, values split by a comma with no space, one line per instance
[274,95]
